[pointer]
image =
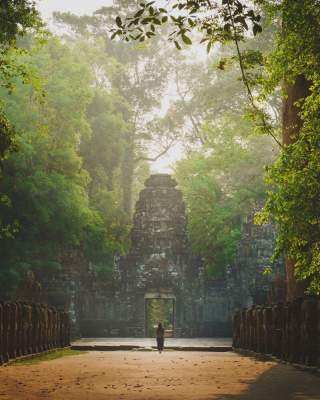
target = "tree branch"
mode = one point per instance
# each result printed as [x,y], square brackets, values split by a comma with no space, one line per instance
[246,83]
[193,121]
[159,155]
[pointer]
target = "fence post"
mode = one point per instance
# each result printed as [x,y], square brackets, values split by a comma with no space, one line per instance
[295,330]
[277,320]
[1,334]
[267,330]
[318,333]
[236,329]
[308,331]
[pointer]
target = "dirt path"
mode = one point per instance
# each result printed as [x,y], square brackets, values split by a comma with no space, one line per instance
[152,376]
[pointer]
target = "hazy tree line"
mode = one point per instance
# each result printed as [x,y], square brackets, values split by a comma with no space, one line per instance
[290,68]
[85,121]
[82,116]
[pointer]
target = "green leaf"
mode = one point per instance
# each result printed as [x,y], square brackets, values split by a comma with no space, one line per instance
[177,45]
[256,29]
[139,13]
[114,35]
[119,22]
[186,40]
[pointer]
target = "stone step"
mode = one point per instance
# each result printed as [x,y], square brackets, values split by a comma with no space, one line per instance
[101,347]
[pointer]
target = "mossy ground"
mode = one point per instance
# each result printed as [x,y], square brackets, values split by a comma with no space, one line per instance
[47,357]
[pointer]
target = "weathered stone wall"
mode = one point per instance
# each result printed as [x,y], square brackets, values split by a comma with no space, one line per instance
[27,328]
[289,331]
[160,264]
[68,288]
[246,280]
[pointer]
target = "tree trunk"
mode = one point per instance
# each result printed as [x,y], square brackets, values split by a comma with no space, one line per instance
[127,176]
[291,124]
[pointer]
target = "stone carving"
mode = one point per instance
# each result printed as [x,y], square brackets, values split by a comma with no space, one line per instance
[160,264]
[267,330]
[2,333]
[26,329]
[277,318]
[288,331]
[308,331]
[246,282]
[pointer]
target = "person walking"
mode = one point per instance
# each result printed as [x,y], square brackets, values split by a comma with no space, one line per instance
[160,337]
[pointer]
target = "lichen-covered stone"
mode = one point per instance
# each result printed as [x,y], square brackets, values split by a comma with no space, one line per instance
[247,282]
[160,264]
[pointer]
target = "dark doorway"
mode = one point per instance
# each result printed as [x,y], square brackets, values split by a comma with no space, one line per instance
[159,310]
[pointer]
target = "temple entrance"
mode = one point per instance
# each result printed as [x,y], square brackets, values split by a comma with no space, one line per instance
[159,309]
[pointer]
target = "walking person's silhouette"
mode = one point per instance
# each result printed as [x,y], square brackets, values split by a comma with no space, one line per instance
[160,337]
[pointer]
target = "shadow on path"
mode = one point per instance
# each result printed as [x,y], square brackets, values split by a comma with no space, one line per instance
[281,382]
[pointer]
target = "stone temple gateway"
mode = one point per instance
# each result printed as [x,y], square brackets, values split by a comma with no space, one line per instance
[160,274]
[161,269]
[160,265]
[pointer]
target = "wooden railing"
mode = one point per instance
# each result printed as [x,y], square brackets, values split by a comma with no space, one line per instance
[288,331]
[31,328]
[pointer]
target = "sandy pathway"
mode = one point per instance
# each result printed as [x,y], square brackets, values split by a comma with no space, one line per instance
[149,375]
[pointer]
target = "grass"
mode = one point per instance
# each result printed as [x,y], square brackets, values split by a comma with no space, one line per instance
[48,357]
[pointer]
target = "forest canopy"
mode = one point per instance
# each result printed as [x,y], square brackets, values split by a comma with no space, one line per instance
[292,67]
[83,116]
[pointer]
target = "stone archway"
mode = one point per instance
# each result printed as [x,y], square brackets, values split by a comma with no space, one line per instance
[160,307]
[160,265]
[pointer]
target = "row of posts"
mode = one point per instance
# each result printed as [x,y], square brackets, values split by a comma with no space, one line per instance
[31,328]
[288,331]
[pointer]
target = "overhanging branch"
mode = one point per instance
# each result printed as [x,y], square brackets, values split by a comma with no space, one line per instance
[159,155]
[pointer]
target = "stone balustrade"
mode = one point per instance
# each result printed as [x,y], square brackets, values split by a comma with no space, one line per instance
[288,331]
[27,328]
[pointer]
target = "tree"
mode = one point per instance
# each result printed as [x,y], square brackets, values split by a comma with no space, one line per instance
[221,183]
[49,180]
[294,60]
[138,77]
[222,175]
[16,18]
[293,178]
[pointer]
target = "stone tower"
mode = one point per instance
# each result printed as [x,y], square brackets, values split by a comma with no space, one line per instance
[160,265]
[159,269]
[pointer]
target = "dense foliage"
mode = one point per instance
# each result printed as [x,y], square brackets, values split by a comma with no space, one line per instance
[221,184]
[62,182]
[222,175]
[293,180]
[141,77]
[86,114]
[16,18]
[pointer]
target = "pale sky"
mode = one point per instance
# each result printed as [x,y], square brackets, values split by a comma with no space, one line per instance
[81,7]
[75,6]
